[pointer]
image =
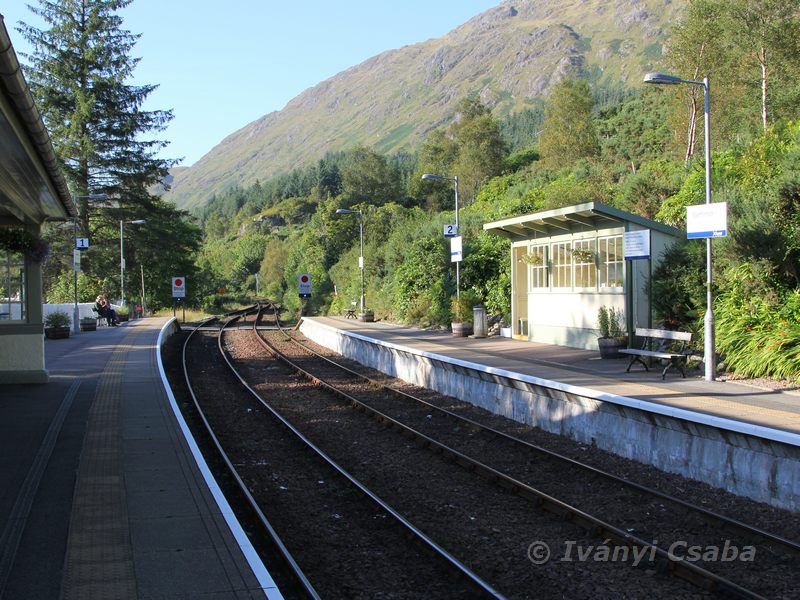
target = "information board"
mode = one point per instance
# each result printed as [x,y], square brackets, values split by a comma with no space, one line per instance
[707,220]
[636,244]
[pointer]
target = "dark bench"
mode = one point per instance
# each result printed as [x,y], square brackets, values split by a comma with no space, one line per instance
[661,344]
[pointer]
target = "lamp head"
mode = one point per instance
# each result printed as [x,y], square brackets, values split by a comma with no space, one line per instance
[662,78]
[137,222]
[433,177]
[345,211]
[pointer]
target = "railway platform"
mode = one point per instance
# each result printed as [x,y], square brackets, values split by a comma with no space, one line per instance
[100,493]
[779,410]
[733,436]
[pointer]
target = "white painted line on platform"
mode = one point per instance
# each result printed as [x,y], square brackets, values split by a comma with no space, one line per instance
[760,431]
[265,580]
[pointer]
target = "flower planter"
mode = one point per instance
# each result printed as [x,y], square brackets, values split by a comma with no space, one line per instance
[461,329]
[505,332]
[56,333]
[366,317]
[122,318]
[89,325]
[610,347]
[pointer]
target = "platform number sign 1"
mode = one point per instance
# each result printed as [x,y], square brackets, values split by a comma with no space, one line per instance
[304,285]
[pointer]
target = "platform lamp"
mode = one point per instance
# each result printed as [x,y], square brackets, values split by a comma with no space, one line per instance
[346,211]
[458,232]
[75,197]
[122,256]
[708,321]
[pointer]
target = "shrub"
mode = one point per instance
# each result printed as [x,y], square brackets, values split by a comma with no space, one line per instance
[610,322]
[57,318]
[758,327]
[461,308]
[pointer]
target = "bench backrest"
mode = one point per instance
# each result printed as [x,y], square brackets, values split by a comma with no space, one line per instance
[664,334]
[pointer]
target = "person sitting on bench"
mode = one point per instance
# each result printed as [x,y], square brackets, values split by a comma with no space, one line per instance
[104,310]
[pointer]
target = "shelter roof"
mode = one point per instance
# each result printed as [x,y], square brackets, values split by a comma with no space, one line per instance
[32,185]
[571,219]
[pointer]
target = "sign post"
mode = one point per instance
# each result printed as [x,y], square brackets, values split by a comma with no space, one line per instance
[178,294]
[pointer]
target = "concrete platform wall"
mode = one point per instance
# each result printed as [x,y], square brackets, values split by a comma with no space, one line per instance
[764,469]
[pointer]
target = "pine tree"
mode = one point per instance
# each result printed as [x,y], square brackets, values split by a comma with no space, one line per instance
[78,72]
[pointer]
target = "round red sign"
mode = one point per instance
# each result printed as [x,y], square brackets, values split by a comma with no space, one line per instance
[304,278]
[179,282]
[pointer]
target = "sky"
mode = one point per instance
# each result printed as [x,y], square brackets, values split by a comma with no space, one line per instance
[222,65]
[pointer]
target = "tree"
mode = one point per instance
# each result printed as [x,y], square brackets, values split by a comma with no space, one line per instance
[77,71]
[568,133]
[367,177]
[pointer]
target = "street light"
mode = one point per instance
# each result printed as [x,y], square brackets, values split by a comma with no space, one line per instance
[345,211]
[75,197]
[445,178]
[122,257]
[708,322]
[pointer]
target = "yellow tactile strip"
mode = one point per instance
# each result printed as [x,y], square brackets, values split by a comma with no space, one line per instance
[99,558]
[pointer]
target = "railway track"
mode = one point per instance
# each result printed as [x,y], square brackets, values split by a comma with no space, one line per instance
[653,513]
[331,535]
[489,527]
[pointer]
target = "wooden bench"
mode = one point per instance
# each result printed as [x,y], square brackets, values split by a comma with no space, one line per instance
[663,345]
[350,313]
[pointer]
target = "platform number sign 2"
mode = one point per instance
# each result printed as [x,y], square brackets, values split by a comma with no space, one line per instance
[304,285]
[450,231]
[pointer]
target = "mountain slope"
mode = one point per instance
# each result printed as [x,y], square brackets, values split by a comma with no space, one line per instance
[506,55]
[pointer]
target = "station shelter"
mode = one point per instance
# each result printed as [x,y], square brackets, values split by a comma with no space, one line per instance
[32,190]
[568,262]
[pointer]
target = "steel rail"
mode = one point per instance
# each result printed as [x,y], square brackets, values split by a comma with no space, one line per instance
[300,578]
[751,532]
[409,527]
[668,561]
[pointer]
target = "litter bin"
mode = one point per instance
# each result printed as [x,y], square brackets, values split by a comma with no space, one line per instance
[481,327]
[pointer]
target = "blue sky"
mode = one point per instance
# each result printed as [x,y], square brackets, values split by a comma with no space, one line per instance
[221,65]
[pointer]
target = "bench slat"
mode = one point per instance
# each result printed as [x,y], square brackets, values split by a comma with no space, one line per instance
[664,334]
[650,353]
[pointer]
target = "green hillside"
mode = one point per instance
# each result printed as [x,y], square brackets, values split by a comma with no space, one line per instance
[505,56]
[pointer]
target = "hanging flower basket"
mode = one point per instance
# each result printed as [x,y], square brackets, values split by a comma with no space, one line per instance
[581,255]
[532,259]
[19,240]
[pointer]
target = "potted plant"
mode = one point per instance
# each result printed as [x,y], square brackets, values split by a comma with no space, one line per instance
[461,315]
[613,336]
[56,325]
[368,316]
[123,313]
[88,324]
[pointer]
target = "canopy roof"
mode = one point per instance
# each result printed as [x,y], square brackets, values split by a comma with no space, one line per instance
[591,216]
[32,186]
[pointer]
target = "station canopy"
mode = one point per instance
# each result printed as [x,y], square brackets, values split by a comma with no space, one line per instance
[591,216]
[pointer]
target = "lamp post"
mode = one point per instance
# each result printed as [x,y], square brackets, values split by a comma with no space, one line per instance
[458,232]
[708,321]
[122,256]
[345,211]
[75,313]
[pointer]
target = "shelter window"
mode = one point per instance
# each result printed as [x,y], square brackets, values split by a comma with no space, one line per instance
[537,261]
[562,265]
[583,254]
[12,286]
[611,262]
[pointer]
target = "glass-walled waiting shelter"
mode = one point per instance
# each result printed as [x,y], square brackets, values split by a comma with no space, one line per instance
[568,262]
[32,190]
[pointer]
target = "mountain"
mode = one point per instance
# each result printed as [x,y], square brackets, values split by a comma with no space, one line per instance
[506,55]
